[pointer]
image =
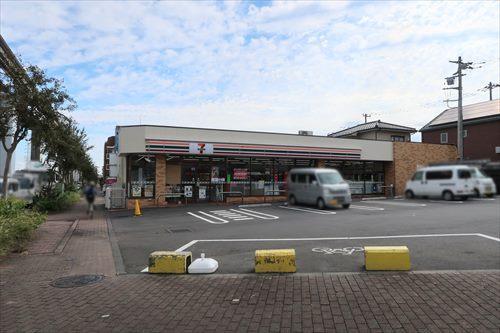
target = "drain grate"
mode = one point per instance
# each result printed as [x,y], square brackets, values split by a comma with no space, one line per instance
[177,230]
[76,281]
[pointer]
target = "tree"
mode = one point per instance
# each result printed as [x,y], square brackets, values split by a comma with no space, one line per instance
[30,101]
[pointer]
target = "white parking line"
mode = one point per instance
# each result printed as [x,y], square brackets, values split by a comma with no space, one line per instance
[366,207]
[384,202]
[446,202]
[260,215]
[483,199]
[207,220]
[193,242]
[310,210]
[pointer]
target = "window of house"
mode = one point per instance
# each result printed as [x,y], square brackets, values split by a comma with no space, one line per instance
[398,138]
[444,137]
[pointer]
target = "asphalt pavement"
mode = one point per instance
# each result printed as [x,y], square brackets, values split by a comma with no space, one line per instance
[440,235]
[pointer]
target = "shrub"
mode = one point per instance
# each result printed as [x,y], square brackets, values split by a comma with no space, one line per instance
[55,200]
[16,224]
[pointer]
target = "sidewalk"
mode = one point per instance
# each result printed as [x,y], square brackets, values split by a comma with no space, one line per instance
[463,301]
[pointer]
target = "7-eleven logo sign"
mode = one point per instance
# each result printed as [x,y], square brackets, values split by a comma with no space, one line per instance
[201,148]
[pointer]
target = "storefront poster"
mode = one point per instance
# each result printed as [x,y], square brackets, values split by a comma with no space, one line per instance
[188,191]
[240,174]
[136,190]
[202,192]
[148,191]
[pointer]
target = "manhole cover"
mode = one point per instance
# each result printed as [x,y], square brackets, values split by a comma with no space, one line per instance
[76,281]
[178,230]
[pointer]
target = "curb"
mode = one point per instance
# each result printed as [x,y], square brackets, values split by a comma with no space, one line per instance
[115,249]
[62,243]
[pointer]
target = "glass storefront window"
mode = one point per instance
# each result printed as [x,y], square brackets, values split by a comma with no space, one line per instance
[142,176]
[261,175]
[238,175]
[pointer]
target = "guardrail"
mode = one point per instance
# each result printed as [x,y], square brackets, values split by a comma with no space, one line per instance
[171,195]
[232,192]
[272,191]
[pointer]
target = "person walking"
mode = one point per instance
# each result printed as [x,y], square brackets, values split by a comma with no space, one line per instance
[90,194]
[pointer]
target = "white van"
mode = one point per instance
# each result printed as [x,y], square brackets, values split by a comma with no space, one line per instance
[483,185]
[447,182]
[318,186]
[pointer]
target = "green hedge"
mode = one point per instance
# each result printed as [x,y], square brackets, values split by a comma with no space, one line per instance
[16,224]
[55,201]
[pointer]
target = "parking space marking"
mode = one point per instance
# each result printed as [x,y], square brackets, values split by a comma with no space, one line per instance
[483,199]
[188,245]
[310,210]
[367,207]
[228,214]
[384,202]
[207,220]
[447,202]
[346,251]
[254,213]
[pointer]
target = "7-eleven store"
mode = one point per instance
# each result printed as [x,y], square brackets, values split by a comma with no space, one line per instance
[204,165]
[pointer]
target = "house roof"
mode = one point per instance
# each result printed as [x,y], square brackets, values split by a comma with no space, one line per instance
[469,112]
[372,125]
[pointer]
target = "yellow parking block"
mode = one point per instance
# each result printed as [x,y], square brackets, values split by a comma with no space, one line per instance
[169,262]
[275,261]
[387,258]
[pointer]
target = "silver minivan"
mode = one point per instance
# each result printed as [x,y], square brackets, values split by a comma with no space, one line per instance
[321,187]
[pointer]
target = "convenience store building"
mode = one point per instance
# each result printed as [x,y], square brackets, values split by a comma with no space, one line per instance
[207,165]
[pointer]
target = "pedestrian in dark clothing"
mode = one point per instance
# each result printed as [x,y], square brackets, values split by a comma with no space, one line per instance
[90,194]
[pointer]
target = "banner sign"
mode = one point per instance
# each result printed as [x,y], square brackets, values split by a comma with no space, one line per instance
[201,148]
[240,174]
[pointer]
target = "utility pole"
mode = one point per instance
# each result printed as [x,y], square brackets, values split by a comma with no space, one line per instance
[450,81]
[490,87]
[366,115]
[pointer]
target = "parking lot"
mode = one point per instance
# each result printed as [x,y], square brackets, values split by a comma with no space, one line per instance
[440,235]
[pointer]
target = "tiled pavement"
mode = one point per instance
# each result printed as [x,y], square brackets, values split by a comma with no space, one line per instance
[428,302]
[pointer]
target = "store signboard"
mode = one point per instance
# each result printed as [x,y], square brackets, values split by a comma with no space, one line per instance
[197,148]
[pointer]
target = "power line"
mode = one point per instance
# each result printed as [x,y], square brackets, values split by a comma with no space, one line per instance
[490,86]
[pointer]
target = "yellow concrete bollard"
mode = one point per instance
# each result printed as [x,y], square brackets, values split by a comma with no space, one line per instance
[137,210]
[387,258]
[169,262]
[275,261]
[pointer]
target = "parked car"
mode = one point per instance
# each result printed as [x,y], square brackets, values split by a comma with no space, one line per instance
[448,182]
[321,187]
[483,185]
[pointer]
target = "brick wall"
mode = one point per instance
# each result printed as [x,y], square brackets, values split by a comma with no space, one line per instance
[479,144]
[410,155]
[160,176]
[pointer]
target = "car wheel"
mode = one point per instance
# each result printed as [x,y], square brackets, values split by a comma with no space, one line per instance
[292,201]
[346,206]
[320,203]
[409,194]
[448,196]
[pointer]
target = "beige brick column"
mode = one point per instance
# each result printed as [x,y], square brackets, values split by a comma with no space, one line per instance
[320,163]
[160,173]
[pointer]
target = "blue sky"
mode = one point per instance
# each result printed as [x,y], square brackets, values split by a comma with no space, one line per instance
[270,66]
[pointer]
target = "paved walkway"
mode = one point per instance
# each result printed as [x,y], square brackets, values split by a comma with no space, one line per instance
[428,302]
